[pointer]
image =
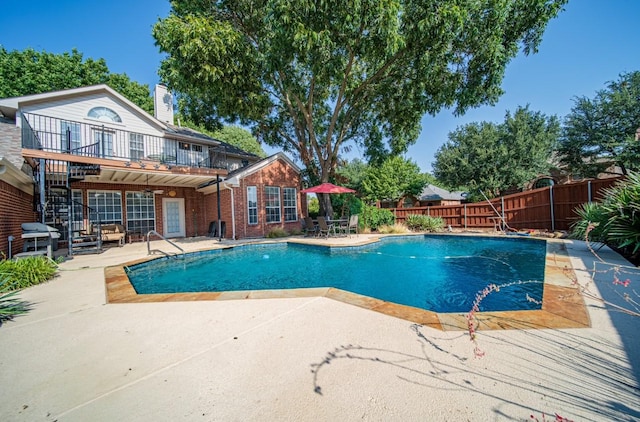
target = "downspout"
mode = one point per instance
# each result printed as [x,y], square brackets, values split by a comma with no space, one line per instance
[233,213]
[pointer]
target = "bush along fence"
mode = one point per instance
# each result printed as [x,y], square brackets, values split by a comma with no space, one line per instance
[550,208]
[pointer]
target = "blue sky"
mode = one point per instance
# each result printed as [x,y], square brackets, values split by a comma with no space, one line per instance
[589,44]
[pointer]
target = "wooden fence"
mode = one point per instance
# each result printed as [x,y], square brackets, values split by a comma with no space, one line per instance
[550,208]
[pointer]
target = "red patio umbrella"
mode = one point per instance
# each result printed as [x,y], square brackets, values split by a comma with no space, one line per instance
[327,188]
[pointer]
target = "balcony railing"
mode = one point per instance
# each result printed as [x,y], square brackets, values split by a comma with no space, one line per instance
[102,141]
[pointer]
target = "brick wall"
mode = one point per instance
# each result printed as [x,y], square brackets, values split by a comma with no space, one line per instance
[16,207]
[280,174]
[196,220]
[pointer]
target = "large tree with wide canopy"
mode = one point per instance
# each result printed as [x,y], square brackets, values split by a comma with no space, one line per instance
[318,77]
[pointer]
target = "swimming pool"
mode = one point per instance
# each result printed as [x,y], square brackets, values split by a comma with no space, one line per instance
[431,272]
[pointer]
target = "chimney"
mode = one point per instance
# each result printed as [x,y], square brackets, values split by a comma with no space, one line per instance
[163,104]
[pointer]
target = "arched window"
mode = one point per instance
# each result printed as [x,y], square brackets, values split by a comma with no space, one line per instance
[104,113]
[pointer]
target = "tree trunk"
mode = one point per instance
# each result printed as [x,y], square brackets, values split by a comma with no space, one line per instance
[326,209]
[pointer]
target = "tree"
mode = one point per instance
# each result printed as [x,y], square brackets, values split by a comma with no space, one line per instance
[495,157]
[241,138]
[315,77]
[31,72]
[600,132]
[394,179]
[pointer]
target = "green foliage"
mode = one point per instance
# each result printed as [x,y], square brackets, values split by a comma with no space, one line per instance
[277,232]
[495,157]
[313,207]
[31,72]
[591,213]
[617,217]
[352,173]
[28,271]
[241,138]
[346,204]
[10,305]
[424,223]
[318,78]
[600,132]
[622,205]
[392,180]
[373,217]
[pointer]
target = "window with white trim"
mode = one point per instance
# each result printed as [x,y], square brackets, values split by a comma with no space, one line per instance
[141,212]
[252,204]
[70,135]
[290,204]
[108,205]
[136,146]
[272,203]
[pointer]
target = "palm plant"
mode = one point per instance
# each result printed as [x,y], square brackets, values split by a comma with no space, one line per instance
[10,304]
[622,206]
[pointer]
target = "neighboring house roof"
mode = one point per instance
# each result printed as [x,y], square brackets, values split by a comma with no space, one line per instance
[434,193]
[235,176]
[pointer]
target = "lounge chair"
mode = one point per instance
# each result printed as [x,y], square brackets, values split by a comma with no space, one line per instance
[310,228]
[324,228]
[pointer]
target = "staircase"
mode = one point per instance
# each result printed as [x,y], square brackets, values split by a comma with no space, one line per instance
[79,225]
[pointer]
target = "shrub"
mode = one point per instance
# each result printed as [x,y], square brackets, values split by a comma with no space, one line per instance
[395,228]
[374,217]
[590,213]
[615,221]
[424,223]
[27,272]
[10,305]
[277,232]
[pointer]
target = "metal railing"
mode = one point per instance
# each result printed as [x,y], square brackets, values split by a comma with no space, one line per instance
[149,250]
[105,141]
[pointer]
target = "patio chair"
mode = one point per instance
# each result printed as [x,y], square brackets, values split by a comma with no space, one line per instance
[324,228]
[310,228]
[352,226]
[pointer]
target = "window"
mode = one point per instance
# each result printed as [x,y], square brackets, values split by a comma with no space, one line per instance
[104,113]
[141,212]
[252,204]
[70,136]
[272,204]
[108,205]
[77,205]
[105,140]
[136,146]
[290,204]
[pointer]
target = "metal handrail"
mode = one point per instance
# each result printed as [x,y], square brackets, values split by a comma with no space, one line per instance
[165,239]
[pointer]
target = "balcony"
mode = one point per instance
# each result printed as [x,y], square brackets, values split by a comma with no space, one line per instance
[98,140]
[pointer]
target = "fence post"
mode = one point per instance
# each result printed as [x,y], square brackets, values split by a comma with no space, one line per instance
[504,222]
[553,218]
[589,191]
[465,216]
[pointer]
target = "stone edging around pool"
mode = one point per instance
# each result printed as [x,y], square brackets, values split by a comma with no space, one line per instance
[562,303]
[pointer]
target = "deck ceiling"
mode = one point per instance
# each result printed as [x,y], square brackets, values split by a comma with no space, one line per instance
[149,177]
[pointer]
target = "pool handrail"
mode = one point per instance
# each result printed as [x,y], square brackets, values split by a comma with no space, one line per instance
[159,250]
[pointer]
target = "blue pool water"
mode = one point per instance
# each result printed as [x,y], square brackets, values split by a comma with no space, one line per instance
[437,273]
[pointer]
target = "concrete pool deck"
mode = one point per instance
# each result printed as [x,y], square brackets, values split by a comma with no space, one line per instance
[76,358]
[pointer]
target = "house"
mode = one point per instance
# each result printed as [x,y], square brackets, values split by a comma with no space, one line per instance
[431,196]
[84,157]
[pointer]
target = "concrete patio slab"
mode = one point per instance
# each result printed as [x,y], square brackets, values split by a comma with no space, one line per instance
[76,358]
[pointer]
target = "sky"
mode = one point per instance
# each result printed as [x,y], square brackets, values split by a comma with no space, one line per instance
[589,44]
